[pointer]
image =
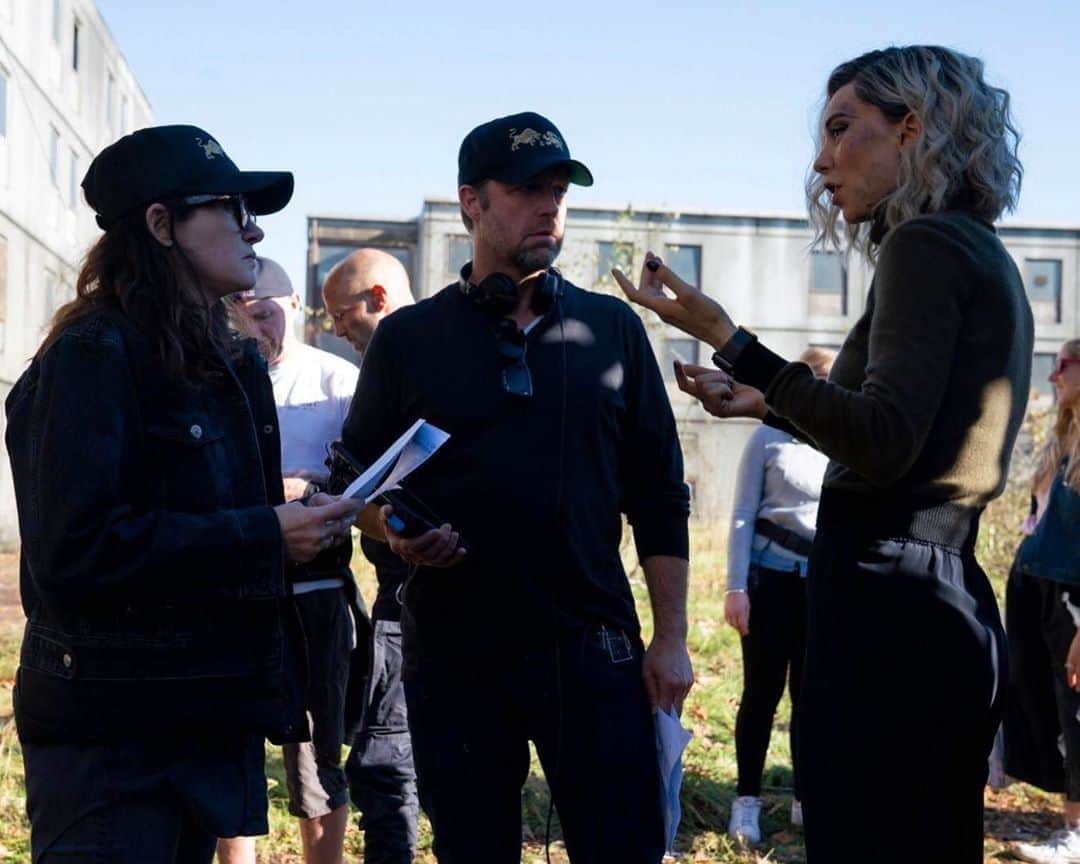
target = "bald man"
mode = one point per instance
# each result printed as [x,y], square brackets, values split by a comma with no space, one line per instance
[363,289]
[359,293]
[312,391]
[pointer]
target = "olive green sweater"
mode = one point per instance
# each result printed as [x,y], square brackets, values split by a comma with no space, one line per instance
[928,391]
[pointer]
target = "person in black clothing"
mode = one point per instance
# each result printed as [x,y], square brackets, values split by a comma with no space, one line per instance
[559,420]
[905,654]
[161,645]
[358,294]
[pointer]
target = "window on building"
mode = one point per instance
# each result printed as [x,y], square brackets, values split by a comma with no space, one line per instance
[681,349]
[125,126]
[56,21]
[54,156]
[610,255]
[1041,367]
[3,103]
[828,284]
[110,111]
[458,252]
[75,27]
[1042,278]
[685,261]
[73,181]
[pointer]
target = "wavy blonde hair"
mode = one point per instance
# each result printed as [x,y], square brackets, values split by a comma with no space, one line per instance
[1064,440]
[966,155]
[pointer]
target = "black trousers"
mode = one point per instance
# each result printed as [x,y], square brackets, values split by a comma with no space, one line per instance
[901,697]
[775,644]
[1042,715]
[582,700]
[380,765]
[160,802]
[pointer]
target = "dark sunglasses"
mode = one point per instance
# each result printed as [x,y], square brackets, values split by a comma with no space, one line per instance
[1064,363]
[511,344]
[236,203]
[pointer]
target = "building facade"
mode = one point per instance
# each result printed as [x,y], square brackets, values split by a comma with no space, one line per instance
[65,93]
[759,267]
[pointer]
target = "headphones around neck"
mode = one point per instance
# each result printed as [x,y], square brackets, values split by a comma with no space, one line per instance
[498,294]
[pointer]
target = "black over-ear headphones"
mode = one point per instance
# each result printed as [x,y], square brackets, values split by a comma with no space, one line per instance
[498,293]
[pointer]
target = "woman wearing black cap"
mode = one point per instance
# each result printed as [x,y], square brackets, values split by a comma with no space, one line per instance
[903,679]
[159,645]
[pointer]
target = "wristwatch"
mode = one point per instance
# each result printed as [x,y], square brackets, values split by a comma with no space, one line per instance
[729,353]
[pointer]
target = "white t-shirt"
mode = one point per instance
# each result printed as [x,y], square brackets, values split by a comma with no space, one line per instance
[312,390]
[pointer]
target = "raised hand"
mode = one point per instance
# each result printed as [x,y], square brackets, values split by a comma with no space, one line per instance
[690,310]
[719,393]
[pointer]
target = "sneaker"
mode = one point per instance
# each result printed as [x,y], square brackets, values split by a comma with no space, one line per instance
[743,827]
[796,812]
[1063,847]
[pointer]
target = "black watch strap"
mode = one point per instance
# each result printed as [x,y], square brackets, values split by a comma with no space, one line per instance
[729,353]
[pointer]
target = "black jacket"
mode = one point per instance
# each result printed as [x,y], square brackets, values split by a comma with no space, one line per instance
[152,568]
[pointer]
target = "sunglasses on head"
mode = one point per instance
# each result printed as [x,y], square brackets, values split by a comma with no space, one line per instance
[1062,364]
[511,345]
[237,204]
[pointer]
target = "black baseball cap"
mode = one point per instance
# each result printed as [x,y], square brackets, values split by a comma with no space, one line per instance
[161,163]
[513,149]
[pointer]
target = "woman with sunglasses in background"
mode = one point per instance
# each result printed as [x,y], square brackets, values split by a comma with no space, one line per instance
[160,645]
[1042,610]
[905,651]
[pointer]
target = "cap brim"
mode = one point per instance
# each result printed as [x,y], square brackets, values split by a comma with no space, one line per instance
[265,191]
[579,174]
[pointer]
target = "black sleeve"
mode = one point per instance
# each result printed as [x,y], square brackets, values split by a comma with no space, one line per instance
[655,498]
[77,459]
[879,430]
[374,421]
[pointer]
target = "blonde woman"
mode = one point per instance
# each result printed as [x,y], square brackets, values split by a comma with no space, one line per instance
[903,680]
[1042,729]
[772,527]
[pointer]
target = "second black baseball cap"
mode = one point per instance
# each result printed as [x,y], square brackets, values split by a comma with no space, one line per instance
[514,149]
[160,163]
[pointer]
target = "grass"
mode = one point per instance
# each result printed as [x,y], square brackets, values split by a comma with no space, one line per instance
[708,786]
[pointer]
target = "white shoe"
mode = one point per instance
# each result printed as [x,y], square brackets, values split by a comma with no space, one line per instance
[743,827]
[796,812]
[1063,847]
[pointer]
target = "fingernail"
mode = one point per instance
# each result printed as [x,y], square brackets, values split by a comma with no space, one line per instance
[653,265]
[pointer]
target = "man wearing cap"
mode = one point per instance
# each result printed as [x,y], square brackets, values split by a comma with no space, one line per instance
[312,392]
[559,422]
[359,292]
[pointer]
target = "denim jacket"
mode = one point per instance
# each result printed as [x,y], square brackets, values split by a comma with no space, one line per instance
[1053,551]
[152,567]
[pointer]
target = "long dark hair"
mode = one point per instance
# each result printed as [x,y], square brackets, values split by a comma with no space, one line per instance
[157,288]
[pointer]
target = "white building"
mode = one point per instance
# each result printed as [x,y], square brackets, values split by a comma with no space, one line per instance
[65,93]
[758,266]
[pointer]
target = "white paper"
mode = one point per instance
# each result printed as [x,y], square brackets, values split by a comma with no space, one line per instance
[671,741]
[404,456]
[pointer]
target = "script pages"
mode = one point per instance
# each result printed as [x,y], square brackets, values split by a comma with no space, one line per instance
[401,458]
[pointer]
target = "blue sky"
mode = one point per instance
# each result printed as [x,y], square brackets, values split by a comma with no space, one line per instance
[691,105]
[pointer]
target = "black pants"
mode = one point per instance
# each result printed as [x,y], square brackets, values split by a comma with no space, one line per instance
[901,698]
[1042,715]
[380,765]
[142,803]
[775,643]
[586,709]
